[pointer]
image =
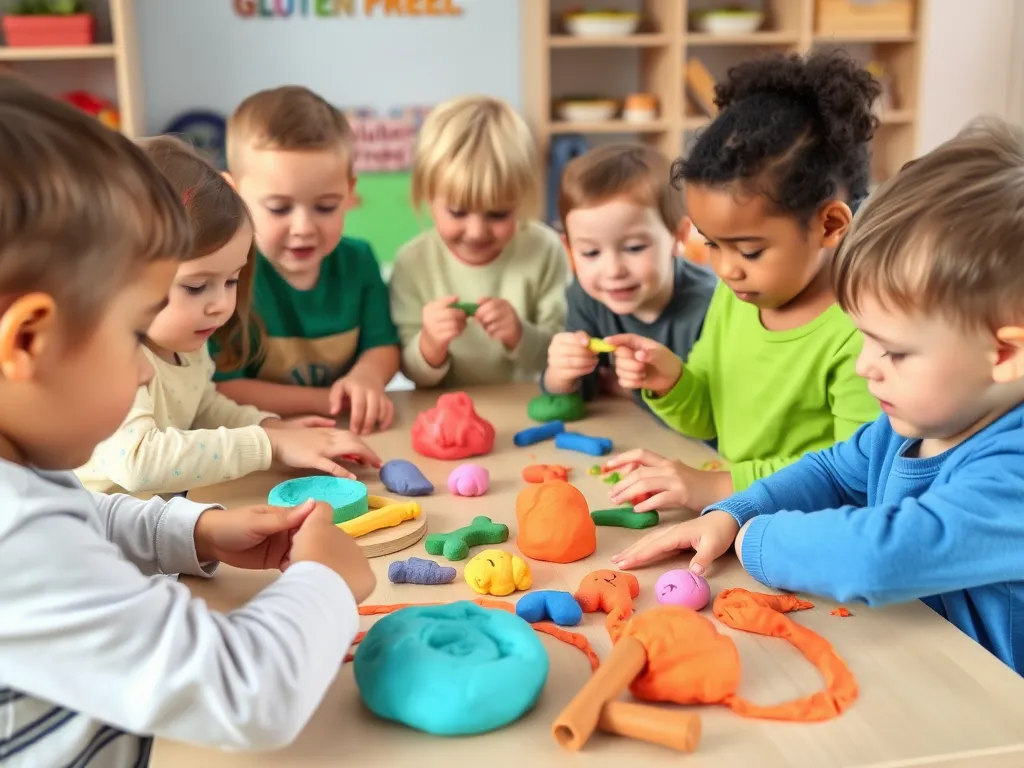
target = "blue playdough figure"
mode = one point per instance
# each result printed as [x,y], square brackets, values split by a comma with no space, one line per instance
[417,570]
[550,605]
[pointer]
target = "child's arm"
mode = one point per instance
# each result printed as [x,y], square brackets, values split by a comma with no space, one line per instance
[549,311]
[284,399]
[379,344]
[407,302]
[140,653]
[218,410]
[556,377]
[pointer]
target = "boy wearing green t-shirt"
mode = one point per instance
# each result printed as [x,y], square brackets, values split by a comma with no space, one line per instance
[330,343]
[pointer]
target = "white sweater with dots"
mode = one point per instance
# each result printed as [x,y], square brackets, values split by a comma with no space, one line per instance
[181,433]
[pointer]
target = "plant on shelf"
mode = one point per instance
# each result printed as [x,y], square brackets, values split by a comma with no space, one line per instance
[32,23]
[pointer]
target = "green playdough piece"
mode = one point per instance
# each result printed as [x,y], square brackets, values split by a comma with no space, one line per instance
[468,307]
[594,470]
[557,408]
[624,517]
[613,478]
[455,545]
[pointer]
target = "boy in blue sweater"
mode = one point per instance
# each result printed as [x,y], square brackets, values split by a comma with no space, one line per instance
[928,501]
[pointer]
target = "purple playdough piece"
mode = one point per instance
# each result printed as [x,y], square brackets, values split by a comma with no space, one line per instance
[404,478]
[469,480]
[682,587]
[416,570]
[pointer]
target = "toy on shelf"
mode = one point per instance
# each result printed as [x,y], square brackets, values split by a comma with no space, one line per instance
[570,407]
[554,523]
[497,572]
[405,478]
[625,517]
[640,108]
[682,587]
[348,498]
[451,670]
[384,513]
[601,23]
[574,441]
[541,473]
[452,430]
[455,545]
[469,480]
[532,435]
[587,109]
[417,570]
[727,21]
[550,605]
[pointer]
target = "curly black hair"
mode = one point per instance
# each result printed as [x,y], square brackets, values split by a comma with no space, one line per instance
[795,129]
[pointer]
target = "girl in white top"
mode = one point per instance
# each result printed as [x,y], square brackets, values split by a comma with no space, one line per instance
[181,433]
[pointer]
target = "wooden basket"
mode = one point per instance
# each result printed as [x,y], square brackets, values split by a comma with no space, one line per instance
[866,17]
[34,31]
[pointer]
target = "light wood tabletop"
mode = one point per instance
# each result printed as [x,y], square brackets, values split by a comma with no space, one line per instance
[929,695]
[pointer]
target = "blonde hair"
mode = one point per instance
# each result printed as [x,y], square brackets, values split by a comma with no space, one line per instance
[945,234]
[215,212]
[287,118]
[476,153]
[634,171]
[82,209]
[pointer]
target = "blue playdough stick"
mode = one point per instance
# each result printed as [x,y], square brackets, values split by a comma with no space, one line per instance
[573,441]
[537,434]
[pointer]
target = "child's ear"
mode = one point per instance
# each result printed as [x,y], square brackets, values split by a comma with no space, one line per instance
[568,253]
[230,179]
[1009,365]
[834,221]
[684,230]
[26,327]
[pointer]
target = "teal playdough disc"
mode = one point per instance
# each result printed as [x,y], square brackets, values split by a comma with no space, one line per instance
[451,670]
[348,497]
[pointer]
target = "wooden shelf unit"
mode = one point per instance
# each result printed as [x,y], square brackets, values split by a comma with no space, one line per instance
[557,65]
[116,51]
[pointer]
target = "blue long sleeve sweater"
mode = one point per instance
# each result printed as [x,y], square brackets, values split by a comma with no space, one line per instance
[863,521]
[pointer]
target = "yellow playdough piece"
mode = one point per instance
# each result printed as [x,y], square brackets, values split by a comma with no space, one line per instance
[384,513]
[496,572]
[598,346]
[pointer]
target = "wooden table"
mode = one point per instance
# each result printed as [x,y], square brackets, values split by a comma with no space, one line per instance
[928,694]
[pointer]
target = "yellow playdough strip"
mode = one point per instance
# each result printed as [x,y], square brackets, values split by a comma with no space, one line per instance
[384,513]
[600,345]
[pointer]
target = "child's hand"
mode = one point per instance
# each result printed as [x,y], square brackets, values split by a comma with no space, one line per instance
[499,320]
[645,364]
[710,536]
[368,405]
[442,324]
[569,359]
[667,484]
[258,537]
[319,540]
[317,447]
[299,422]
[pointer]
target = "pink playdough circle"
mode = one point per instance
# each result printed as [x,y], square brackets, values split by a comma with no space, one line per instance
[682,587]
[469,480]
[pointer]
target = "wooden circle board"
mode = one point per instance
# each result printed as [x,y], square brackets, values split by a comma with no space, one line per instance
[385,541]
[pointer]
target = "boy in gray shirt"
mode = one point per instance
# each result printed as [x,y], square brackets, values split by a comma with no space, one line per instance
[624,223]
[99,646]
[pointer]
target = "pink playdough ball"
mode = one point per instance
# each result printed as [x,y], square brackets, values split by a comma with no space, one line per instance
[681,587]
[469,480]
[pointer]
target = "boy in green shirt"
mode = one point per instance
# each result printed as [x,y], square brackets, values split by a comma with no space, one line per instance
[330,343]
[773,375]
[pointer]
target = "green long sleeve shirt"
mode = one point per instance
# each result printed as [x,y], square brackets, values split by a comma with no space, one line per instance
[768,396]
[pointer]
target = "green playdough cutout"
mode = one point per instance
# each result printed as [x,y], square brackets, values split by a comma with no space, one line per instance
[624,517]
[349,498]
[613,478]
[468,307]
[594,470]
[557,408]
[455,545]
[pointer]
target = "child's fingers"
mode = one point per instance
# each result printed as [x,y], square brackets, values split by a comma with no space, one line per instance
[387,413]
[630,341]
[336,398]
[316,421]
[707,550]
[270,520]
[653,547]
[357,410]
[639,456]
[328,467]
[361,452]
[654,502]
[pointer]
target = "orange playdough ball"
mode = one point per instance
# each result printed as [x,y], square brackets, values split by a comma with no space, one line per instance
[554,523]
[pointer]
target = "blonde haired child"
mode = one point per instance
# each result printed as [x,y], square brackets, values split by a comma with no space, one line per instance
[478,297]
[181,433]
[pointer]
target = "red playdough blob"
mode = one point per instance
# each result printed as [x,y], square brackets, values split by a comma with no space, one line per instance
[554,523]
[452,430]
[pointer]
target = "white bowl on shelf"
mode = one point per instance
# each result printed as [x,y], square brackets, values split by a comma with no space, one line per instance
[596,24]
[729,22]
[587,110]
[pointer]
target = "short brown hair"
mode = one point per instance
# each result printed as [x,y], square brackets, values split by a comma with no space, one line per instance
[82,209]
[946,234]
[635,171]
[290,117]
[215,212]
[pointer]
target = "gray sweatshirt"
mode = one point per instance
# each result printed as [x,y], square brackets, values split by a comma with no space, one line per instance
[100,647]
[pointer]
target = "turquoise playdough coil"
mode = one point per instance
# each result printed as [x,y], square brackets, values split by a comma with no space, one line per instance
[349,498]
[451,670]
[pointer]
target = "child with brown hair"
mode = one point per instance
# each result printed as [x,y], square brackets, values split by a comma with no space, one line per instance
[181,433]
[99,648]
[330,345]
[478,297]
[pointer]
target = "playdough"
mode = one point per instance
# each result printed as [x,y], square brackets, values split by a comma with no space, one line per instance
[349,498]
[452,430]
[540,473]
[682,587]
[554,523]
[385,514]
[613,478]
[532,435]
[598,346]
[468,307]
[496,572]
[451,670]
[594,470]
[550,605]
[624,517]
[469,480]
[569,407]
[611,592]
[416,570]
[455,545]
[574,441]
[404,478]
